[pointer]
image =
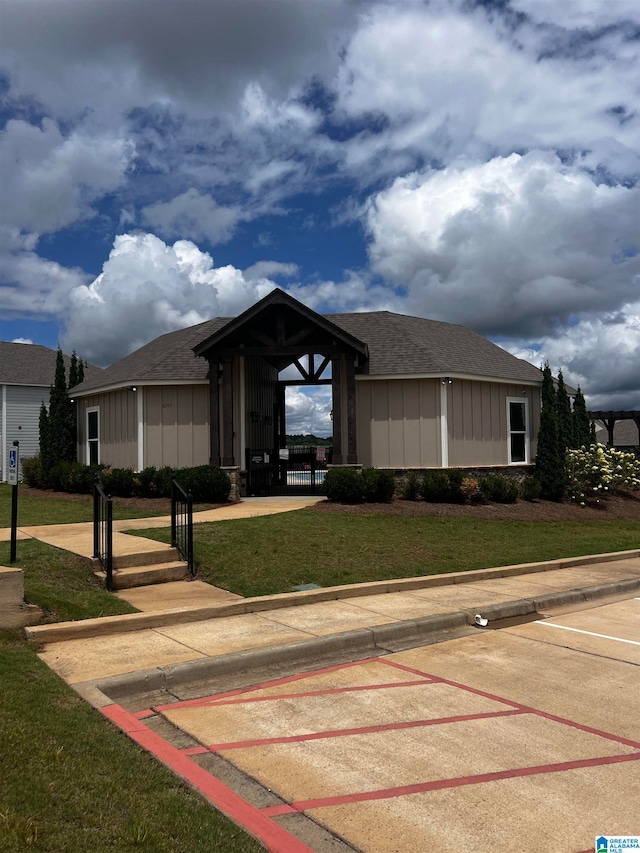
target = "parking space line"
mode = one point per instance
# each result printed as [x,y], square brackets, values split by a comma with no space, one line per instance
[364,730]
[217,698]
[556,719]
[271,834]
[588,633]
[326,692]
[440,784]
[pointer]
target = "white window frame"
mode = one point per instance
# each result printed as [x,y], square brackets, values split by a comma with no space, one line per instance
[90,410]
[523,401]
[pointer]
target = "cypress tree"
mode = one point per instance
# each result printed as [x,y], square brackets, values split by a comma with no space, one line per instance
[563,408]
[73,370]
[61,441]
[581,422]
[550,458]
[75,366]
[45,453]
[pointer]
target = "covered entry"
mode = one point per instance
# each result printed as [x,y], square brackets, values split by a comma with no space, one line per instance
[247,396]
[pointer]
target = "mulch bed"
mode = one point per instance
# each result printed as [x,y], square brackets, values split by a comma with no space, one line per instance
[612,506]
[624,505]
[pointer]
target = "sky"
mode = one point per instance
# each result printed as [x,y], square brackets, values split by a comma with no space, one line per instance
[166,162]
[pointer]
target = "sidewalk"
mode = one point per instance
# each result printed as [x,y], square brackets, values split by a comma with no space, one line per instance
[157,649]
[78,537]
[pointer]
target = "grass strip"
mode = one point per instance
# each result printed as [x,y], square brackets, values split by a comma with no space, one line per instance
[63,509]
[61,583]
[71,782]
[262,556]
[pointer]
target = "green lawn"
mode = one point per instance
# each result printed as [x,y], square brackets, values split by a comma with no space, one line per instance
[61,583]
[62,509]
[259,556]
[69,781]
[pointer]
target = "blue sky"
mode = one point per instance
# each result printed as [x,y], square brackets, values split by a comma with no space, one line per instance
[163,163]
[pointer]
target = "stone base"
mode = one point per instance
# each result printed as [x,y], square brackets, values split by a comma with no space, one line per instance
[14,613]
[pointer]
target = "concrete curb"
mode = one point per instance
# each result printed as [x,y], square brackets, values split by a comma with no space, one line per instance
[160,618]
[351,645]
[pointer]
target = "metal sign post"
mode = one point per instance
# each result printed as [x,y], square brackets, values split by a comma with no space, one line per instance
[14,456]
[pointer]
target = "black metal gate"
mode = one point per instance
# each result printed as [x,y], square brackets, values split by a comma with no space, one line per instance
[290,471]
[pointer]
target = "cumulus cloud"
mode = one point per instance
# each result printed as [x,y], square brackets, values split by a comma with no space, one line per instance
[516,245]
[308,412]
[193,52]
[49,181]
[148,288]
[601,354]
[448,82]
[192,216]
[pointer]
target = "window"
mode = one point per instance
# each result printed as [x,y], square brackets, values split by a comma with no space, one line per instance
[518,433]
[93,436]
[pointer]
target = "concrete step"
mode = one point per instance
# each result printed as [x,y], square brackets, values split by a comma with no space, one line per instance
[162,554]
[134,576]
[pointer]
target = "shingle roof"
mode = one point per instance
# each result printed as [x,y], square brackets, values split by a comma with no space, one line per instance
[32,364]
[168,358]
[397,344]
[400,344]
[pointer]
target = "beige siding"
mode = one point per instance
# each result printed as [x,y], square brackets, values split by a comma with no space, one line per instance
[176,431]
[398,423]
[477,421]
[118,427]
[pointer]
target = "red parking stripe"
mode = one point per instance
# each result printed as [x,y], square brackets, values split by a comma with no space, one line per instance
[214,697]
[142,715]
[364,730]
[326,692]
[553,717]
[274,837]
[440,784]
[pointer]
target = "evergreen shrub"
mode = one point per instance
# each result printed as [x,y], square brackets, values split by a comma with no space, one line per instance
[32,471]
[530,489]
[205,483]
[118,482]
[410,488]
[378,486]
[500,490]
[435,487]
[343,485]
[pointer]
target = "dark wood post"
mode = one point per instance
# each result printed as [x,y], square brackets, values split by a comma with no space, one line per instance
[336,390]
[352,456]
[214,415]
[228,457]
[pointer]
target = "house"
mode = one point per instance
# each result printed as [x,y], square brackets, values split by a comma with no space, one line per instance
[27,372]
[407,393]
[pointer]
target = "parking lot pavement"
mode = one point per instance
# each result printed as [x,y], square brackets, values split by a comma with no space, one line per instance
[520,739]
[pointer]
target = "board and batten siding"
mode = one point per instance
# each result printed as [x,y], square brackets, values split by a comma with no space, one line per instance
[477,421]
[398,423]
[19,420]
[176,430]
[117,421]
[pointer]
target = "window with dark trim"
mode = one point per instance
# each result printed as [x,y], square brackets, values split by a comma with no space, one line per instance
[93,436]
[518,432]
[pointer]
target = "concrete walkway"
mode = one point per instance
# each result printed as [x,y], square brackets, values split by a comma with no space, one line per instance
[154,649]
[78,537]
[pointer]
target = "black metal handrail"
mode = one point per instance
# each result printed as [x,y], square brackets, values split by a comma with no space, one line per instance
[182,524]
[103,531]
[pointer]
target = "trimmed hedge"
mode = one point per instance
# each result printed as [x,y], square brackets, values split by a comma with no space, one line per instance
[206,484]
[500,490]
[443,486]
[351,486]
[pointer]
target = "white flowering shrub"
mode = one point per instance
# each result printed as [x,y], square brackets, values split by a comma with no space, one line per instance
[598,468]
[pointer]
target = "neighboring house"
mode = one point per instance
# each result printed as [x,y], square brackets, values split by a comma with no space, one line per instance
[626,434]
[27,372]
[407,393]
